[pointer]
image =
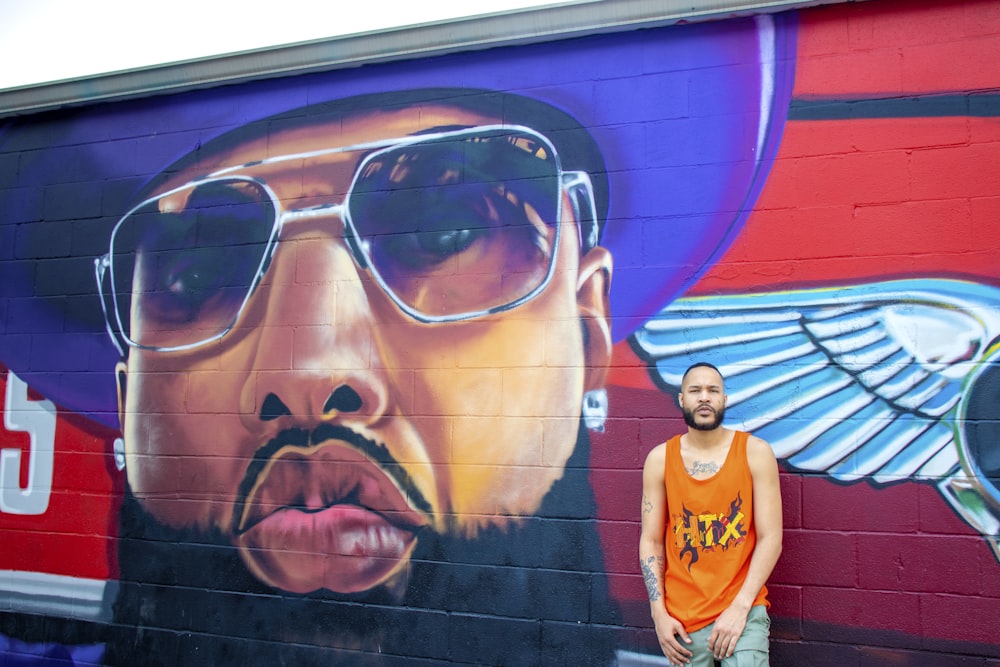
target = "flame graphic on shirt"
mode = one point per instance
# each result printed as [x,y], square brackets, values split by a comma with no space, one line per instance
[707,531]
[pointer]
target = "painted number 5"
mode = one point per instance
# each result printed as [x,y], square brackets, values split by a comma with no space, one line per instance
[38,420]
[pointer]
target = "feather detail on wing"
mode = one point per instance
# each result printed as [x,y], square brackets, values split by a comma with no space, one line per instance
[858,381]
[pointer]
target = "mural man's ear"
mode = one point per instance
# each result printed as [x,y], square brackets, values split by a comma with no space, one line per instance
[592,289]
[121,381]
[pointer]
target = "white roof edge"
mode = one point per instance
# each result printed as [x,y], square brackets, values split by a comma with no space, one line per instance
[534,24]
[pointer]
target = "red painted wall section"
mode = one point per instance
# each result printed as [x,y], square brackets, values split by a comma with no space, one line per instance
[843,208]
[76,534]
[891,48]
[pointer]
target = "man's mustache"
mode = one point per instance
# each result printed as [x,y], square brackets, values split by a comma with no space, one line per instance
[299,437]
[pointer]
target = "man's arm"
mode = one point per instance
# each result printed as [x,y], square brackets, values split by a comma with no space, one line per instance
[767,521]
[652,560]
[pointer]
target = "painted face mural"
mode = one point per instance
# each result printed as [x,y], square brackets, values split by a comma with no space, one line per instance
[348,344]
[360,367]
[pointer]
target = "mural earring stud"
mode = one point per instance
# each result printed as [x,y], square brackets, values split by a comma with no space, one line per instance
[119,451]
[595,409]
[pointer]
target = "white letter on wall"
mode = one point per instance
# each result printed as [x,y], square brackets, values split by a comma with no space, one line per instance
[38,420]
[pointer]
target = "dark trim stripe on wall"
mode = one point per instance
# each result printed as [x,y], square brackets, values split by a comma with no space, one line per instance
[918,106]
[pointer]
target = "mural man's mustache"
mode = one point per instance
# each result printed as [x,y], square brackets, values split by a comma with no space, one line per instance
[324,433]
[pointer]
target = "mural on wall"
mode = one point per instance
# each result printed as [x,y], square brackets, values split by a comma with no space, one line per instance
[359,328]
[337,367]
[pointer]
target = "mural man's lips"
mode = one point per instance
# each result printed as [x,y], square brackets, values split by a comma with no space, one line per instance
[326,517]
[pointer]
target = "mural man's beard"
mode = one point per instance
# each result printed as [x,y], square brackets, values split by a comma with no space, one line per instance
[187,598]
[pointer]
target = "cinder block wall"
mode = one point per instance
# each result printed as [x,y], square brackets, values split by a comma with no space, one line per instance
[840,264]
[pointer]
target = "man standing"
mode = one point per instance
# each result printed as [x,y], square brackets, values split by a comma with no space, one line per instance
[711,533]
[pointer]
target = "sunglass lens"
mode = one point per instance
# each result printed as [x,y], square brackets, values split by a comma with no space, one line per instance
[462,224]
[183,265]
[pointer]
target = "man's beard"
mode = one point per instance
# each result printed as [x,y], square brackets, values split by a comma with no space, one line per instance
[689,419]
[534,593]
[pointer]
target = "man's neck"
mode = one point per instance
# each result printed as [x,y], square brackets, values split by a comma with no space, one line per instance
[708,441]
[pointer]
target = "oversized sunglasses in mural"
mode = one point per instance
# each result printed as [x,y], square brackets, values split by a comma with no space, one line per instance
[451,225]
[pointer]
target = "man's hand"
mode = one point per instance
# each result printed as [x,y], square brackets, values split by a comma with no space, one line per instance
[670,633]
[727,630]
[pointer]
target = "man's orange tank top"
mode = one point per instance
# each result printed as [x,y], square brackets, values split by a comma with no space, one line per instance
[709,536]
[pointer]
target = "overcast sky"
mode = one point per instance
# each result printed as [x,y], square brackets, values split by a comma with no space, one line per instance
[51,40]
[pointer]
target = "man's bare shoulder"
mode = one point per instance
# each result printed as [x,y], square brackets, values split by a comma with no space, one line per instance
[656,454]
[759,453]
[653,475]
[655,461]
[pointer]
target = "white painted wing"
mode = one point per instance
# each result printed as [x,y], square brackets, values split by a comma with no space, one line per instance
[858,381]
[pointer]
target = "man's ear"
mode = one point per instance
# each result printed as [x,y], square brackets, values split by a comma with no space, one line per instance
[592,289]
[121,380]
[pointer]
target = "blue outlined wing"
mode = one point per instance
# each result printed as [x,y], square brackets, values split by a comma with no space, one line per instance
[858,381]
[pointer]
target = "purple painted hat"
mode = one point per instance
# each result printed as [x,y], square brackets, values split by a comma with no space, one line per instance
[687,120]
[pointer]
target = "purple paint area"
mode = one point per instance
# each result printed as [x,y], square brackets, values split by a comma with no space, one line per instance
[23,654]
[687,118]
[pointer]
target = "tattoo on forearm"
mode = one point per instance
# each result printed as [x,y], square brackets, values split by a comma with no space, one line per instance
[699,468]
[650,577]
[647,506]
